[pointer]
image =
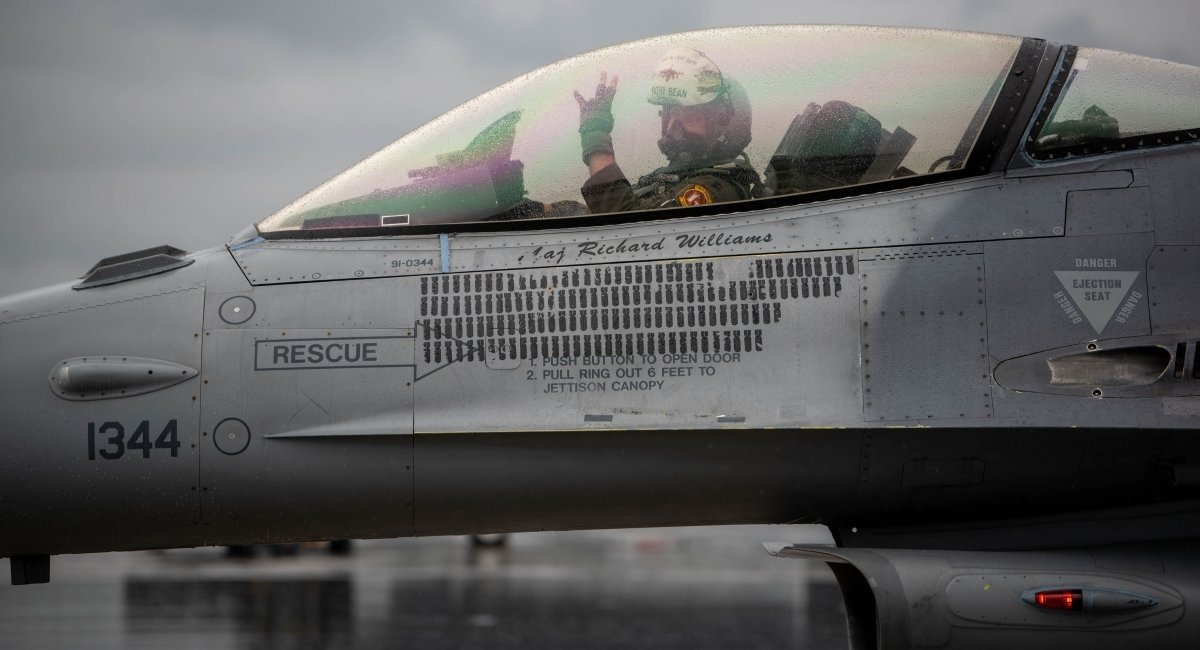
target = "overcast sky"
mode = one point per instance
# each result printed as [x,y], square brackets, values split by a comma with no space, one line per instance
[129,124]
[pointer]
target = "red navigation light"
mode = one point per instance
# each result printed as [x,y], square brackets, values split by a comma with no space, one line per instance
[1068,599]
[1095,600]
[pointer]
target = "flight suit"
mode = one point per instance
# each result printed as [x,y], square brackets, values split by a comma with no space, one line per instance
[609,191]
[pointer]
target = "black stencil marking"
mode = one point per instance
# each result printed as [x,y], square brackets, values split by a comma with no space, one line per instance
[675,308]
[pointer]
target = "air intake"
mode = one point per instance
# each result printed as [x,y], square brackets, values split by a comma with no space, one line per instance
[1132,366]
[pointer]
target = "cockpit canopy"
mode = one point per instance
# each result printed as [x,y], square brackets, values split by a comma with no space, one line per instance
[832,106]
[1109,101]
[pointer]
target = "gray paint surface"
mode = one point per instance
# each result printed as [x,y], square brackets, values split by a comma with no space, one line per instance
[868,362]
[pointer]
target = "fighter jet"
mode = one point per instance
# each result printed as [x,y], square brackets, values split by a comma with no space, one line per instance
[939,291]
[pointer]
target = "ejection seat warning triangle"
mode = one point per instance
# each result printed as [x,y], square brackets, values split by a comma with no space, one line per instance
[1097,293]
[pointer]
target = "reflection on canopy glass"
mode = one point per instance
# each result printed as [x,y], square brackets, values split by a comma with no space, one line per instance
[1110,96]
[831,106]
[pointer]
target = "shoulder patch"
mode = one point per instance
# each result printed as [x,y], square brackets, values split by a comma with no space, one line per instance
[694,195]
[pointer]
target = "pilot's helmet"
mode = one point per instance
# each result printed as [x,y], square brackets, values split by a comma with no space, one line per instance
[685,77]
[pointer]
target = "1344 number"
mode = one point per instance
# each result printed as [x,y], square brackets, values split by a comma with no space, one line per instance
[113,443]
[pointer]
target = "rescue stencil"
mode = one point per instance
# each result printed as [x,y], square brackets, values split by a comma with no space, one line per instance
[319,354]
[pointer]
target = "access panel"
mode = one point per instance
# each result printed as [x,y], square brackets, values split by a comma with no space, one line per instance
[307,434]
[924,334]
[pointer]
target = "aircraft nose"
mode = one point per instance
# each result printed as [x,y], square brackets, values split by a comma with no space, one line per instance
[98,391]
[20,306]
[21,318]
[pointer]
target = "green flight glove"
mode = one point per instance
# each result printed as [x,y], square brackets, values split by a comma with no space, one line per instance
[596,119]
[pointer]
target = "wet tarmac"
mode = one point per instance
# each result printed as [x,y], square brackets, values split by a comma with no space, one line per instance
[654,588]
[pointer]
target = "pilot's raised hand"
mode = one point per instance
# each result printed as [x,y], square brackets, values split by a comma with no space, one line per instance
[596,119]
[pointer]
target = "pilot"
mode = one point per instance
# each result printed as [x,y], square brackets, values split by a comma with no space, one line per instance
[705,130]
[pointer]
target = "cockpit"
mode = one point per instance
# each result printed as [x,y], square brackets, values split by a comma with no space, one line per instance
[827,107]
